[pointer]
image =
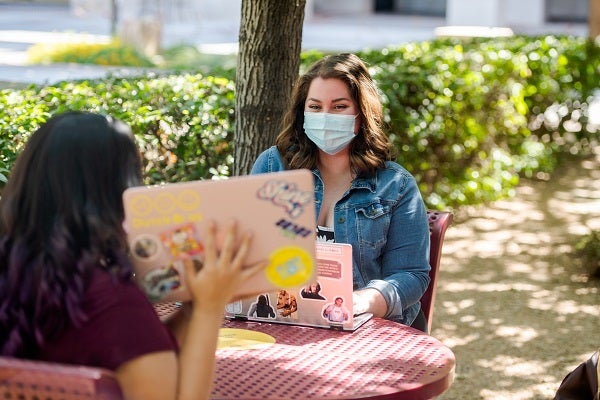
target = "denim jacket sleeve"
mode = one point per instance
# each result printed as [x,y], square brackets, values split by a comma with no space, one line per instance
[404,258]
[268,161]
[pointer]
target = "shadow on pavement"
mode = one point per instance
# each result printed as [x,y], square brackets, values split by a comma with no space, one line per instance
[513,302]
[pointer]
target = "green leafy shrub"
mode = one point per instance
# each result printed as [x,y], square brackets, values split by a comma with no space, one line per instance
[468,117]
[182,123]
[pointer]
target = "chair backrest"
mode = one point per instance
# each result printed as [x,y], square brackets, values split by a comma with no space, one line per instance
[439,221]
[29,380]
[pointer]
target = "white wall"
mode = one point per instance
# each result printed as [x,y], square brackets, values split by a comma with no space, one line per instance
[516,13]
[473,12]
[220,9]
[509,13]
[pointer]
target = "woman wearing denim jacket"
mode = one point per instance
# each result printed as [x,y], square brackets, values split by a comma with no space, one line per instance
[333,128]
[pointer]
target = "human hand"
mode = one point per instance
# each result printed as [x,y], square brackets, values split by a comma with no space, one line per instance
[214,285]
[369,300]
[359,304]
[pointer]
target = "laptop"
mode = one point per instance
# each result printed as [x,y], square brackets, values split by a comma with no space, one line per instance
[324,302]
[165,225]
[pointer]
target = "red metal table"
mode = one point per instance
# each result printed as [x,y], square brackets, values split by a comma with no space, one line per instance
[381,360]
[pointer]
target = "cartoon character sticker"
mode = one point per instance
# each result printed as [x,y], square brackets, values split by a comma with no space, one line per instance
[181,241]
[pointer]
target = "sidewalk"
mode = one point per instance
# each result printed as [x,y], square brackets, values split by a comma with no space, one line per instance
[22,25]
[513,303]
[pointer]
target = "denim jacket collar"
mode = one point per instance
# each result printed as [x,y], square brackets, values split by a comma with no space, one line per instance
[357,183]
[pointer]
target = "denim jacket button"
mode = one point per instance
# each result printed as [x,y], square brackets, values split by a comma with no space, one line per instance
[341,220]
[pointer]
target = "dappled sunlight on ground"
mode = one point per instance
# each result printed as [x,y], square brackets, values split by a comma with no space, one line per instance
[513,303]
[517,334]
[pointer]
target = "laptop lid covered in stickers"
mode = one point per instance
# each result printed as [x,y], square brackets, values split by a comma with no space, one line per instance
[325,301]
[165,225]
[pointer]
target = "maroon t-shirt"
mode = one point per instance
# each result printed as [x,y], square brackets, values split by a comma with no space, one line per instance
[121,325]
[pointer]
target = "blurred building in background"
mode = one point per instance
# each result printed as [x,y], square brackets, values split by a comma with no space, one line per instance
[519,14]
[509,13]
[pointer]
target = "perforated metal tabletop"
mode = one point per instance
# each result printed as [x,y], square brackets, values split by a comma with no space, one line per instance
[381,360]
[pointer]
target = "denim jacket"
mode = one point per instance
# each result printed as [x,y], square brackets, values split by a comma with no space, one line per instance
[385,220]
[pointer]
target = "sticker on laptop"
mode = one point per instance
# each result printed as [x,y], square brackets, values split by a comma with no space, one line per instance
[160,282]
[289,266]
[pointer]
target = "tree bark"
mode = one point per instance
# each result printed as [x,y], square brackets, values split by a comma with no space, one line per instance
[594,19]
[270,42]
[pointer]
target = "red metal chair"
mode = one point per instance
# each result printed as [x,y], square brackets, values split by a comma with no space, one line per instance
[439,221]
[37,380]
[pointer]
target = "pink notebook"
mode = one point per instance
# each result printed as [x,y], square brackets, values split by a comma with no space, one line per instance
[165,225]
[325,302]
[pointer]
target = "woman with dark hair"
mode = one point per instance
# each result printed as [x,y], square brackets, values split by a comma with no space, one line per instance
[261,308]
[334,128]
[66,288]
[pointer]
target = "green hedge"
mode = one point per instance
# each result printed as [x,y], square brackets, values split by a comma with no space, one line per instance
[182,123]
[468,117]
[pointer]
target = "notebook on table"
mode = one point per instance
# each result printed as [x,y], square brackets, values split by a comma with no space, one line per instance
[165,225]
[324,302]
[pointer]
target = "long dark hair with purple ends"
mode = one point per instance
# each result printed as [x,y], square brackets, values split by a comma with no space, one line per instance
[61,216]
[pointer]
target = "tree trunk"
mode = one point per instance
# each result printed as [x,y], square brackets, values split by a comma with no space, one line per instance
[594,19]
[268,60]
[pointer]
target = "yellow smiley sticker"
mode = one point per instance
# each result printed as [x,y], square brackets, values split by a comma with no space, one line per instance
[188,200]
[164,203]
[141,205]
[290,266]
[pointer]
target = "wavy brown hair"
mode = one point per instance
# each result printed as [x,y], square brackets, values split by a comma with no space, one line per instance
[371,147]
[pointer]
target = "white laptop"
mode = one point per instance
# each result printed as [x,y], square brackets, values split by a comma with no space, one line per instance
[165,225]
[324,302]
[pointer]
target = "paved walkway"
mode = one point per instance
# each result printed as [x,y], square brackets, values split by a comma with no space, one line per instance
[22,25]
[513,303]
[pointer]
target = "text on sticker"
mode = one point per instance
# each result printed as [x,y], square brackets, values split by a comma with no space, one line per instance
[286,195]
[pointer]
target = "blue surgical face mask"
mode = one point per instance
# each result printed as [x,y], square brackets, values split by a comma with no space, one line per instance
[330,132]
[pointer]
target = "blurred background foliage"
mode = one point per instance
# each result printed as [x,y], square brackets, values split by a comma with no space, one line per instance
[468,118]
[112,53]
[183,57]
